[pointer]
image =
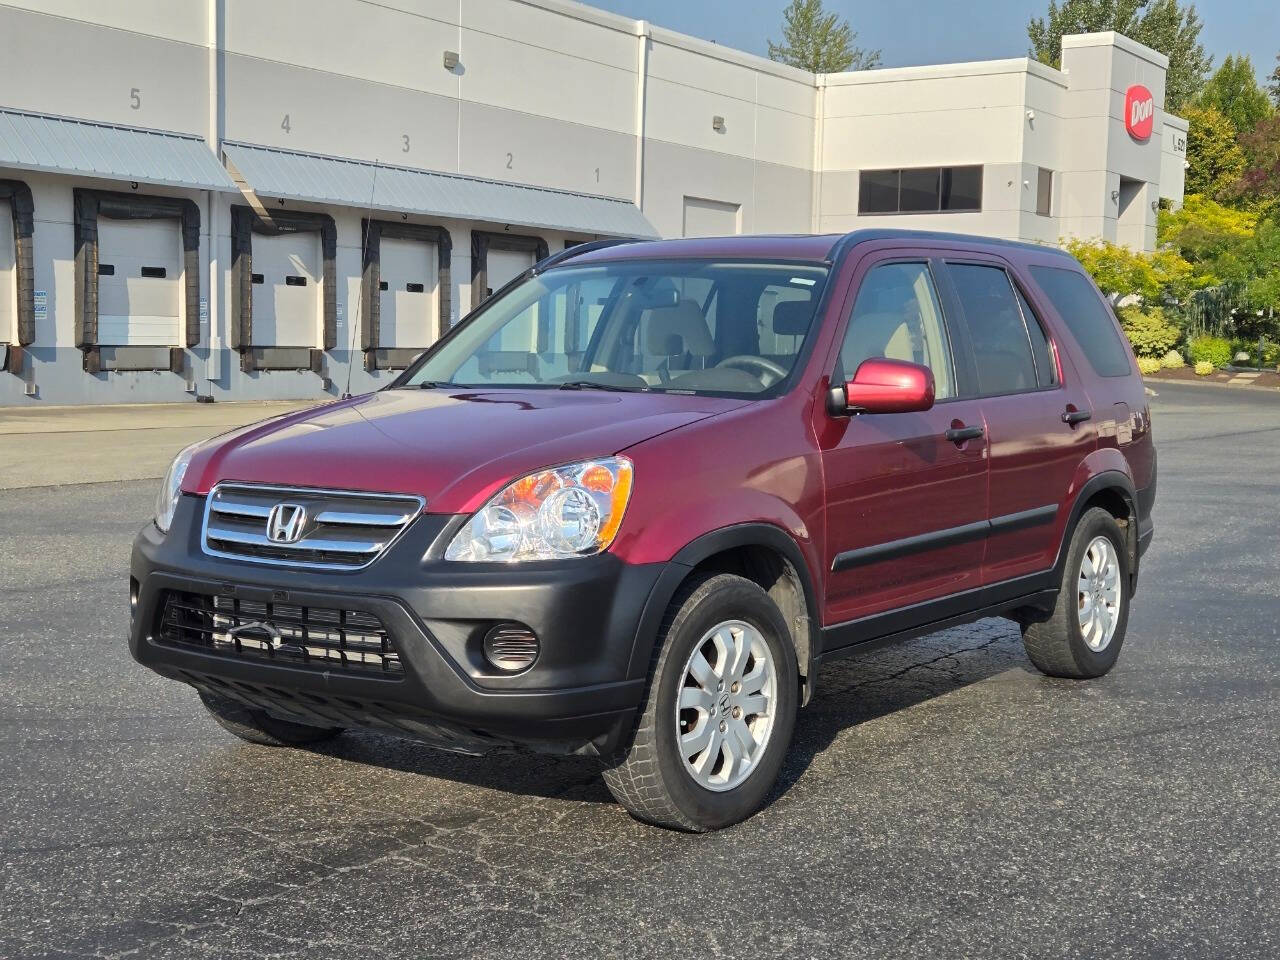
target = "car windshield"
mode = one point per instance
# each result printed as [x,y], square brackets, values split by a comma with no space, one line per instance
[688,326]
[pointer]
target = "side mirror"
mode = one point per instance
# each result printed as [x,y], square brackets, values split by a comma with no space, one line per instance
[881,385]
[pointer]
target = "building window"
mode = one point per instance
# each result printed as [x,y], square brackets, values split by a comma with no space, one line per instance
[1044,192]
[920,190]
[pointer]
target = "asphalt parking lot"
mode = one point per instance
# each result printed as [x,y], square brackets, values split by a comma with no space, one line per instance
[942,798]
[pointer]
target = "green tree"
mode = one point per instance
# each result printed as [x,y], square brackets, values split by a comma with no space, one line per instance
[1214,159]
[819,42]
[1273,82]
[1163,25]
[1121,273]
[1258,186]
[1203,231]
[1234,92]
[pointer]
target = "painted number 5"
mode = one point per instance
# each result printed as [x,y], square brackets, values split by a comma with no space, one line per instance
[135,99]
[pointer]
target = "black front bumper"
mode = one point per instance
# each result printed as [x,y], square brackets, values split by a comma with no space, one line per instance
[593,617]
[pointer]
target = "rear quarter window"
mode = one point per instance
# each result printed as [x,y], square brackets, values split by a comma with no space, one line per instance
[1086,317]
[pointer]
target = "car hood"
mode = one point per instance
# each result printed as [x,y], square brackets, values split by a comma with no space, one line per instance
[455,447]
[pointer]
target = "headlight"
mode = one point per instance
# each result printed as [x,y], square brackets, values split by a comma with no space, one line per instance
[569,511]
[171,488]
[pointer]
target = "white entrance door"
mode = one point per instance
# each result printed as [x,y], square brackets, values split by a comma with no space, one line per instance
[139,282]
[8,277]
[409,298]
[711,218]
[286,290]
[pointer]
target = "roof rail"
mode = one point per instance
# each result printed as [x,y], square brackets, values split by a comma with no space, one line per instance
[580,248]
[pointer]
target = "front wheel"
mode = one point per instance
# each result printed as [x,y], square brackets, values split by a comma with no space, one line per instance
[1082,639]
[719,712]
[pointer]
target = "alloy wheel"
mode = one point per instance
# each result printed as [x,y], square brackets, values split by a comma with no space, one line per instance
[1099,593]
[727,701]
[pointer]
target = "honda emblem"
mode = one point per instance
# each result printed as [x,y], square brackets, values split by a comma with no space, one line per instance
[285,523]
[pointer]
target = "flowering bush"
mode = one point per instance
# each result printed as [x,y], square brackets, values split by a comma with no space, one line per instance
[1148,365]
[1203,368]
[1172,360]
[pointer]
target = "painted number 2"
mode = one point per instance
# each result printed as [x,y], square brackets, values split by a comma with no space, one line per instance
[509,159]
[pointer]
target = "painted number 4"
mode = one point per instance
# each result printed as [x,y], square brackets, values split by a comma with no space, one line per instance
[285,125]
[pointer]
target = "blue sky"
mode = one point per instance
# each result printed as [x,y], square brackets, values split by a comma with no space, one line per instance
[911,32]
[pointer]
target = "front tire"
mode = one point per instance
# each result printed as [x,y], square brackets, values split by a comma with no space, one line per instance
[258,726]
[719,712]
[1083,637]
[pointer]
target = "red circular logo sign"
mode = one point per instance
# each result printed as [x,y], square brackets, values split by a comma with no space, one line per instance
[1139,112]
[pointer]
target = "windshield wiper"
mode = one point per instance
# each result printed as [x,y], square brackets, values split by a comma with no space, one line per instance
[597,385]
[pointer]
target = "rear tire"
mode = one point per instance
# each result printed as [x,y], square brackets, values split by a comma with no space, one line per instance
[258,726]
[1083,637]
[719,712]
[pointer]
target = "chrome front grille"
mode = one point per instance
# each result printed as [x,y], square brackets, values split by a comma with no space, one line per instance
[292,526]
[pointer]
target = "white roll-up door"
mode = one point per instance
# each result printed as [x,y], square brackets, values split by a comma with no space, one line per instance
[139,282]
[711,218]
[409,298]
[504,266]
[286,288]
[8,277]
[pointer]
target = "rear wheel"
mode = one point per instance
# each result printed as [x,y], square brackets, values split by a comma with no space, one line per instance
[719,712]
[1083,637]
[258,726]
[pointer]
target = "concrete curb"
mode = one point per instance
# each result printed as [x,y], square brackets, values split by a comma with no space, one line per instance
[1162,381]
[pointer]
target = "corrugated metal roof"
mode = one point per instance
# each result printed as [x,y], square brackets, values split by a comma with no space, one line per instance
[303,176]
[31,141]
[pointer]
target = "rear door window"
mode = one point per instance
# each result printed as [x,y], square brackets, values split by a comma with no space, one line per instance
[1087,317]
[1001,344]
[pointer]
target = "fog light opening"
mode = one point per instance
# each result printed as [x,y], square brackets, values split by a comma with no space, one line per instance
[511,647]
[133,600]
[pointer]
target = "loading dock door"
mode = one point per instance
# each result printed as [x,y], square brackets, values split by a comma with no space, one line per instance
[8,277]
[503,266]
[409,298]
[711,218]
[286,287]
[140,282]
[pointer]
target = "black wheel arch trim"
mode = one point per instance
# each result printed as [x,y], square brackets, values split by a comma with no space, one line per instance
[753,534]
[1107,480]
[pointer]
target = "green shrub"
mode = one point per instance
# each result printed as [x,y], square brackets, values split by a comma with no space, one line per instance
[1213,350]
[1270,352]
[1172,360]
[1148,366]
[1203,368]
[1149,332]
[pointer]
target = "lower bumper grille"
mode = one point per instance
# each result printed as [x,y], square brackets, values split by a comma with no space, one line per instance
[323,637]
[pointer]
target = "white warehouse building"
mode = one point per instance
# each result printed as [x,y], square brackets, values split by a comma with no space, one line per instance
[269,199]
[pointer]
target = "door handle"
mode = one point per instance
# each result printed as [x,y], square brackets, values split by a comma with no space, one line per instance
[962,433]
[1071,416]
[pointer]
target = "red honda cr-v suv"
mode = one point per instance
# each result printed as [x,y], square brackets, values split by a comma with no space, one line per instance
[633,502]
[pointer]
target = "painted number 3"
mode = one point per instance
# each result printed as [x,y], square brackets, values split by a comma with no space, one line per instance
[405,138]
